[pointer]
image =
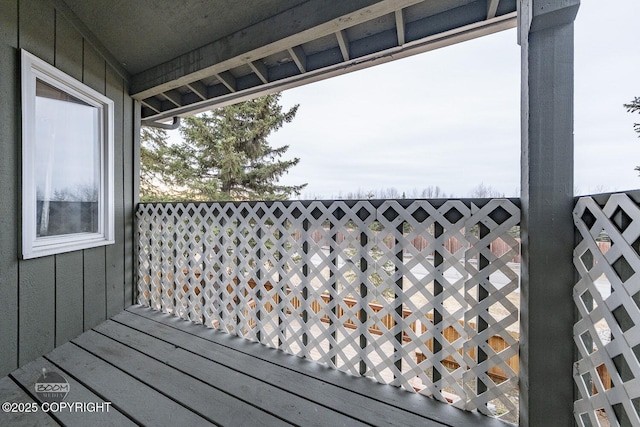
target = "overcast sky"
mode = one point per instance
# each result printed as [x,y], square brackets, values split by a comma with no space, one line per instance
[451,117]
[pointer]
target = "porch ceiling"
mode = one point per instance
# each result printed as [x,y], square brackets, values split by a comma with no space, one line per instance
[192,55]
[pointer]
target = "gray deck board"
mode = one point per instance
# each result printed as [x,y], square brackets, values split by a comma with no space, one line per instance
[158,370]
[247,390]
[12,393]
[144,404]
[210,403]
[278,377]
[27,376]
[425,407]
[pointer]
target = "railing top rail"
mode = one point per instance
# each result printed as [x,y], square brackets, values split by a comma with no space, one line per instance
[349,202]
[602,198]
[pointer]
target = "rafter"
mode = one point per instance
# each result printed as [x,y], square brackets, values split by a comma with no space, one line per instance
[174,97]
[316,18]
[436,41]
[227,79]
[199,89]
[298,56]
[492,8]
[153,104]
[343,41]
[400,24]
[260,70]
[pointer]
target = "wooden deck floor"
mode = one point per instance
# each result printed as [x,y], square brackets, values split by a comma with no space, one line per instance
[158,370]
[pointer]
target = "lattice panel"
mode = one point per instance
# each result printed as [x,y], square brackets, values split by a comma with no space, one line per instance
[607,373]
[406,292]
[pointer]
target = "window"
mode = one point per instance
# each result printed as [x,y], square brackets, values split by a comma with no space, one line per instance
[67,162]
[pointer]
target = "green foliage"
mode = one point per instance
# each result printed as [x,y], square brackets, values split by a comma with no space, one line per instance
[634,107]
[153,149]
[223,155]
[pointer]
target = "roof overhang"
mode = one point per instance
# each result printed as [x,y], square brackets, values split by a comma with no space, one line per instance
[256,47]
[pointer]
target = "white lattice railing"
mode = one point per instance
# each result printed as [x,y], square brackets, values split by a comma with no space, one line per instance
[419,294]
[607,333]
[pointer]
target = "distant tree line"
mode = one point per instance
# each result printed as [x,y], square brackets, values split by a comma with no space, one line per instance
[431,192]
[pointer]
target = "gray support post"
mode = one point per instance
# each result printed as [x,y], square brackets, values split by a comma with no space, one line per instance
[546,308]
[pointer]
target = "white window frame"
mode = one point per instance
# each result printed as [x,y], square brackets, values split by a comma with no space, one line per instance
[32,245]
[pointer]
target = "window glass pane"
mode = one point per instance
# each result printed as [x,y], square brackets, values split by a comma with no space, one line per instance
[67,163]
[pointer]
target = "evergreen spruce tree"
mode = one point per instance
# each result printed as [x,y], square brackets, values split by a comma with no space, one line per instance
[634,107]
[225,155]
[153,149]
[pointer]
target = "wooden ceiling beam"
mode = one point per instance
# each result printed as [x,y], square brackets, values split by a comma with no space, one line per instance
[315,18]
[436,41]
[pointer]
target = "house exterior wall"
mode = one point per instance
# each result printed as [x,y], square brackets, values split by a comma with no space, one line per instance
[47,301]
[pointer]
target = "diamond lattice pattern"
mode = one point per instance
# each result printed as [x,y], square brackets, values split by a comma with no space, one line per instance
[607,295]
[401,291]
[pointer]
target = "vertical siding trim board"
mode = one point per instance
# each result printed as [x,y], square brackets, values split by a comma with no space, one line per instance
[115,265]
[37,277]
[9,184]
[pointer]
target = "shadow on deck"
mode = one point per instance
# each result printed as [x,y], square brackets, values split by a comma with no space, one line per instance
[156,369]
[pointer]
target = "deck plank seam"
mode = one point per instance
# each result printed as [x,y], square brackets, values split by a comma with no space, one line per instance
[133,417]
[183,372]
[249,403]
[33,397]
[264,359]
[92,390]
[462,418]
[234,370]
[145,383]
[100,396]
[281,365]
